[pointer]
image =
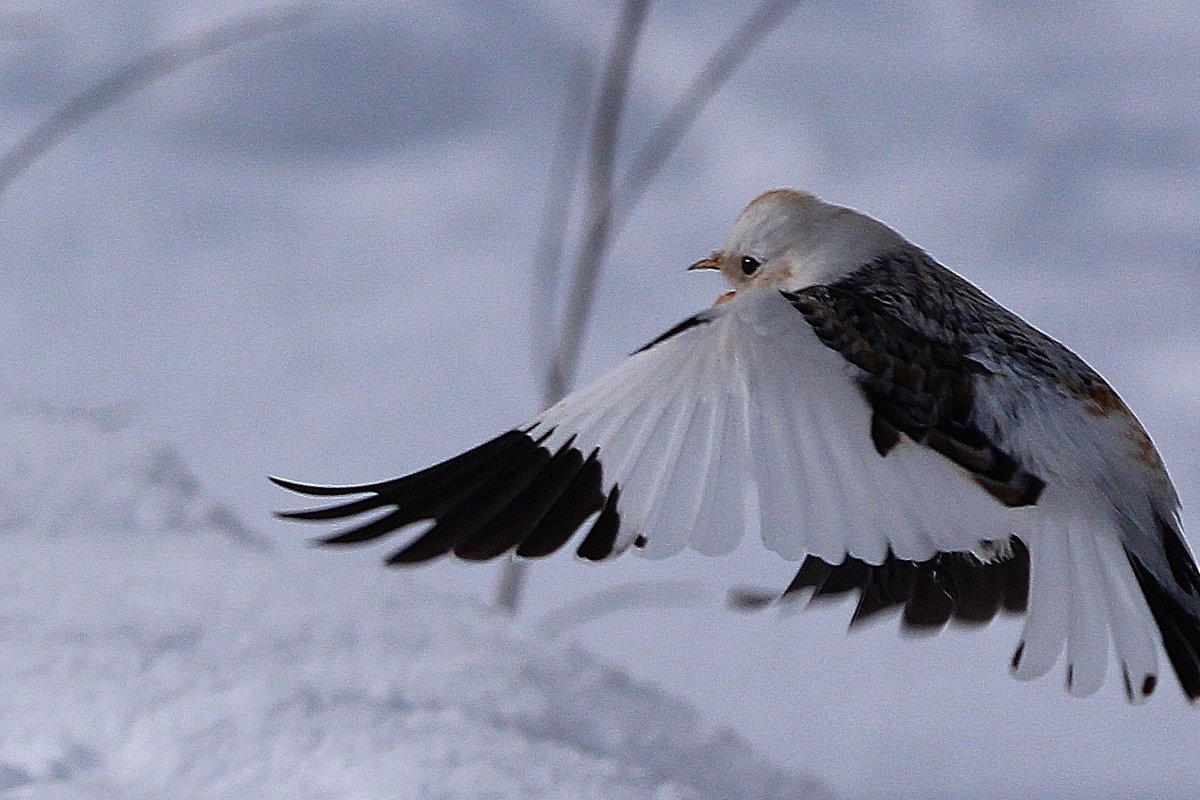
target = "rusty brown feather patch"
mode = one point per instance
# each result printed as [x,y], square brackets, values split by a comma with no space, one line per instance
[1101,400]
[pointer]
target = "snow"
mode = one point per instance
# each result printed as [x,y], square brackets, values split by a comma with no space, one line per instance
[125,485]
[148,652]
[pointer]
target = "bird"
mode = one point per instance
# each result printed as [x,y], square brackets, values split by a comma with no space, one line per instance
[906,438]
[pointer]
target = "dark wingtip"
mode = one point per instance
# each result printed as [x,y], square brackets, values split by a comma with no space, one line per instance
[1015,663]
[598,544]
[315,490]
[308,515]
[291,486]
[872,607]
[949,586]
[510,493]
[341,511]
[1178,627]
[415,553]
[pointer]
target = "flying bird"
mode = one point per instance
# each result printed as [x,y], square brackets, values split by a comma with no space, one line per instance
[908,439]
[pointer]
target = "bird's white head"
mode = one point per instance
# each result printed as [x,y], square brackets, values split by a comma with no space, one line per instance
[788,239]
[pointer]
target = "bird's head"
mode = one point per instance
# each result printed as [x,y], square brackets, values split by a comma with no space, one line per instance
[788,239]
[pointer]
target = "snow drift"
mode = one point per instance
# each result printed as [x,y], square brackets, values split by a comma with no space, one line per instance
[152,647]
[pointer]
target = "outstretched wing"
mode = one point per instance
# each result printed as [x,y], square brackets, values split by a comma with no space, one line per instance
[862,443]
[658,453]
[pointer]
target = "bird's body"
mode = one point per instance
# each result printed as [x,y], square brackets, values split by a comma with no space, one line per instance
[907,437]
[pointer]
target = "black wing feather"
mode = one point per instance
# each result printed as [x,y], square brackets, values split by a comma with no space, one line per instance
[510,494]
[508,528]
[578,501]
[948,586]
[479,504]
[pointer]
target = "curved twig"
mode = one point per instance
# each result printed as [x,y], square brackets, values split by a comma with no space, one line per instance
[610,106]
[624,597]
[609,212]
[138,74]
[548,254]
[683,114]
[614,89]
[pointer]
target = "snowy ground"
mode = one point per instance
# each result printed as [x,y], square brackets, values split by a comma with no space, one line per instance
[149,652]
[309,256]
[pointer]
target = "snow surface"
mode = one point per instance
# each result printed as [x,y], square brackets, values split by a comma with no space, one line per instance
[146,653]
[65,468]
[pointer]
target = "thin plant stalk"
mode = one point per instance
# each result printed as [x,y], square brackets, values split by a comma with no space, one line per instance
[140,73]
[610,107]
[609,208]
[556,213]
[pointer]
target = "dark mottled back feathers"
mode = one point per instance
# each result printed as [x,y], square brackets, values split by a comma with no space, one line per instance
[917,384]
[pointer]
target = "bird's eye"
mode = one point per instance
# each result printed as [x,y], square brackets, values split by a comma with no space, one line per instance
[750,265]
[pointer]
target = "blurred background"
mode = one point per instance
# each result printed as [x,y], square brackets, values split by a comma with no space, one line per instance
[311,255]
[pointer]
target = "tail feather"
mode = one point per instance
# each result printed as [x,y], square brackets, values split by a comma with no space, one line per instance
[1047,619]
[1178,625]
[1088,635]
[1083,595]
[1130,622]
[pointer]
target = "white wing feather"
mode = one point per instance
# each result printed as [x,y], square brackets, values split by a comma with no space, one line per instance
[756,373]
[822,488]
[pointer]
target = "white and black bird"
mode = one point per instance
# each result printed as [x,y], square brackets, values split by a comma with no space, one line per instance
[907,438]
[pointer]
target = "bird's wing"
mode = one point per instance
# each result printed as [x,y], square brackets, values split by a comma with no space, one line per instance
[658,453]
[916,384]
[1102,539]
[859,440]
[949,586]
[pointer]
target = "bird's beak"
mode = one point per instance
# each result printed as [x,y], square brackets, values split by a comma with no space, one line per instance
[712,262]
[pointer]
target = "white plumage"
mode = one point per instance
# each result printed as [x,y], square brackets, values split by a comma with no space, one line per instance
[900,430]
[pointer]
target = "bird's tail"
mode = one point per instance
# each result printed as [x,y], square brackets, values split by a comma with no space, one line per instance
[1173,596]
[1087,588]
